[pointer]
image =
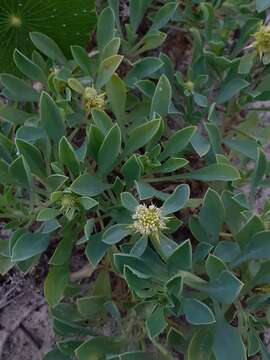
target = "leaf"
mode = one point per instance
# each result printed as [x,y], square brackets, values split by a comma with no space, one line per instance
[29,245]
[227,342]
[98,348]
[178,142]
[129,201]
[181,258]
[131,170]
[137,10]
[47,214]
[116,233]
[258,247]
[141,135]
[55,284]
[156,322]
[33,157]
[200,346]
[212,215]
[117,95]
[162,97]
[63,250]
[95,250]
[102,120]
[107,69]
[88,185]
[197,313]
[28,67]
[163,15]
[177,200]
[262,5]
[109,150]
[68,157]
[65,21]
[214,172]
[214,266]
[14,116]
[230,89]
[81,57]
[51,118]
[18,89]
[105,28]
[142,68]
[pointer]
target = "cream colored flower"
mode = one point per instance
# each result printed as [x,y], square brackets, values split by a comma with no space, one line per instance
[148,219]
[262,40]
[93,100]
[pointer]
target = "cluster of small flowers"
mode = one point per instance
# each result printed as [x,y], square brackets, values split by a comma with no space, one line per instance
[262,40]
[148,220]
[93,100]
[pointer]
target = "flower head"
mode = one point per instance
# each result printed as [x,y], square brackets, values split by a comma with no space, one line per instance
[262,40]
[68,201]
[92,99]
[148,219]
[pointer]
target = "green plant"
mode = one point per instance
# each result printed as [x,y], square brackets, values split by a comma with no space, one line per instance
[177,253]
[66,21]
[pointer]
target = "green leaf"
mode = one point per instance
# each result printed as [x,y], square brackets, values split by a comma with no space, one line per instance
[55,284]
[230,89]
[214,266]
[116,233]
[50,117]
[98,348]
[200,346]
[102,120]
[227,342]
[214,172]
[156,322]
[14,116]
[109,150]
[66,21]
[48,47]
[63,250]
[137,10]
[111,48]
[212,215]
[107,69]
[258,247]
[29,245]
[88,185]
[87,202]
[56,355]
[141,135]
[19,171]
[262,5]
[81,57]
[33,157]
[105,28]
[197,313]
[225,288]
[142,68]
[18,89]
[152,41]
[95,250]
[181,258]
[129,201]
[131,170]
[91,306]
[163,15]
[117,95]
[177,200]
[177,142]
[67,156]
[28,67]
[162,97]
[47,214]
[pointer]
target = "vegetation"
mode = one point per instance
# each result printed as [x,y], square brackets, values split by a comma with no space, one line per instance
[153,173]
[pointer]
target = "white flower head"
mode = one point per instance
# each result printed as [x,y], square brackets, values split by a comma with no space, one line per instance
[148,219]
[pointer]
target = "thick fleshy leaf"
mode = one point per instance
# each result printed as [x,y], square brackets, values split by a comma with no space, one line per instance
[177,200]
[88,185]
[197,313]
[116,233]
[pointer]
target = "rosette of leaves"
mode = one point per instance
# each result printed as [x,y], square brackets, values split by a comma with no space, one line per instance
[79,151]
[67,22]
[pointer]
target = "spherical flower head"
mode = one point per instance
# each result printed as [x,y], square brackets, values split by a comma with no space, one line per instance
[67,202]
[262,40]
[93,100]
[148,219]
